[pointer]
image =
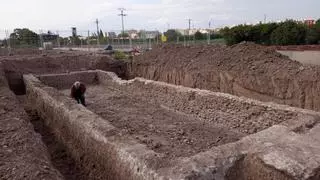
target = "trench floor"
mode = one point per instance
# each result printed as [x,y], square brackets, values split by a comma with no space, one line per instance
[60,158]
[162,129]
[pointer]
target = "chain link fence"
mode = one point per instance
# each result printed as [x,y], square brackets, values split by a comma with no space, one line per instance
[15,40]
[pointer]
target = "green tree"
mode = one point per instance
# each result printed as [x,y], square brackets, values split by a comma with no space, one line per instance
[237,34]
[123,35]
[24,37]
[101,36]
[289,33]
[266,31]
[313,34]
[198,35]
[172,35]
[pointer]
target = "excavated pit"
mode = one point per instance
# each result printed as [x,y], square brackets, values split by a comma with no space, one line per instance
[142,129]
[60,157]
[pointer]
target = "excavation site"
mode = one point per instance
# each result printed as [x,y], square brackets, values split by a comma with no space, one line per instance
[205,112]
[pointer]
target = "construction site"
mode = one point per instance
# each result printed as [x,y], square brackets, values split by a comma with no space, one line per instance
[202,112]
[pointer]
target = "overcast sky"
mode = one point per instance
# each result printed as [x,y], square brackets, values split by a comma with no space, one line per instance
[148,14]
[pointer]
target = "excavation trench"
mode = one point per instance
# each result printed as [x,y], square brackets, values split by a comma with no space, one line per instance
[59,155]
[142,129]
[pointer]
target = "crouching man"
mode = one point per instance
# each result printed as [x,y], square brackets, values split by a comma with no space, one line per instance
[77,92]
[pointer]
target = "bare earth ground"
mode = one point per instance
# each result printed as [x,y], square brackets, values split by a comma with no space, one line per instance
[245,69]
[60,158]
[22,154]
[161,129]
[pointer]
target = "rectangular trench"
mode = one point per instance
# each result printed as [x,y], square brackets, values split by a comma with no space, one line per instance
[141,129]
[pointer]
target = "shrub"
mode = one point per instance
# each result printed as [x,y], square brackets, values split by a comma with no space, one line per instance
[289,33]
[119,55]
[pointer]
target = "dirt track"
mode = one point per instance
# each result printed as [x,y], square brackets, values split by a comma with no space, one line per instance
[161,129]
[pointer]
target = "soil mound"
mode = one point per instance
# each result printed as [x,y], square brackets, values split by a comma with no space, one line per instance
[245,69]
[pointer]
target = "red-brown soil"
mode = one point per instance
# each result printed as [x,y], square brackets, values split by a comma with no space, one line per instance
[162,129]
[245,69]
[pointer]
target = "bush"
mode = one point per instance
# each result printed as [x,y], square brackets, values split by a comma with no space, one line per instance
[119,55]
[289,33]
[313,34]
[286,33]
[198,35]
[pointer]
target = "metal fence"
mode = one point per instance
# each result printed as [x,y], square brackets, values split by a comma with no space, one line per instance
[87,40]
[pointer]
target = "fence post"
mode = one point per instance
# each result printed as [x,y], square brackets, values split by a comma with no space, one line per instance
[8,41]
[58,39]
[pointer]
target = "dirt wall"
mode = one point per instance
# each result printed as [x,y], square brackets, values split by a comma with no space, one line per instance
[15,67]
[246,116]
[19,51]
[279,152]
[22,154]
[65,81]
[241,114]
[94,143]
[247,69]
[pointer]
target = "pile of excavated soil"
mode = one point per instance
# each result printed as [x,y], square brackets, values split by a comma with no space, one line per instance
[245,69]
[162,129]
[237,58]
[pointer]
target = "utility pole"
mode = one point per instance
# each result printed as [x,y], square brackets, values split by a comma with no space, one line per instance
[58,39]
[98,38]
[265,18]
[189,20]
[88,40]
[209,33]
[122,15]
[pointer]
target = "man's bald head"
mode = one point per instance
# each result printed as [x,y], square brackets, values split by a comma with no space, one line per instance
[77,84]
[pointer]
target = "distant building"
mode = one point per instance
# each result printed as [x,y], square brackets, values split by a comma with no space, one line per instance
[309,22]
[204,31]
[133,34]
[191,31]
[149,34]
[82,37]
[112,35]
[48,37]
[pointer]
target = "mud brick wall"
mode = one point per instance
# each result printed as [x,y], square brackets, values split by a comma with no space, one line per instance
[22,154]
[65,81]
[92,141]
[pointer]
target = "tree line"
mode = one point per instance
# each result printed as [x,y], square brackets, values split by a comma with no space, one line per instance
[173,36]
[289,32]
